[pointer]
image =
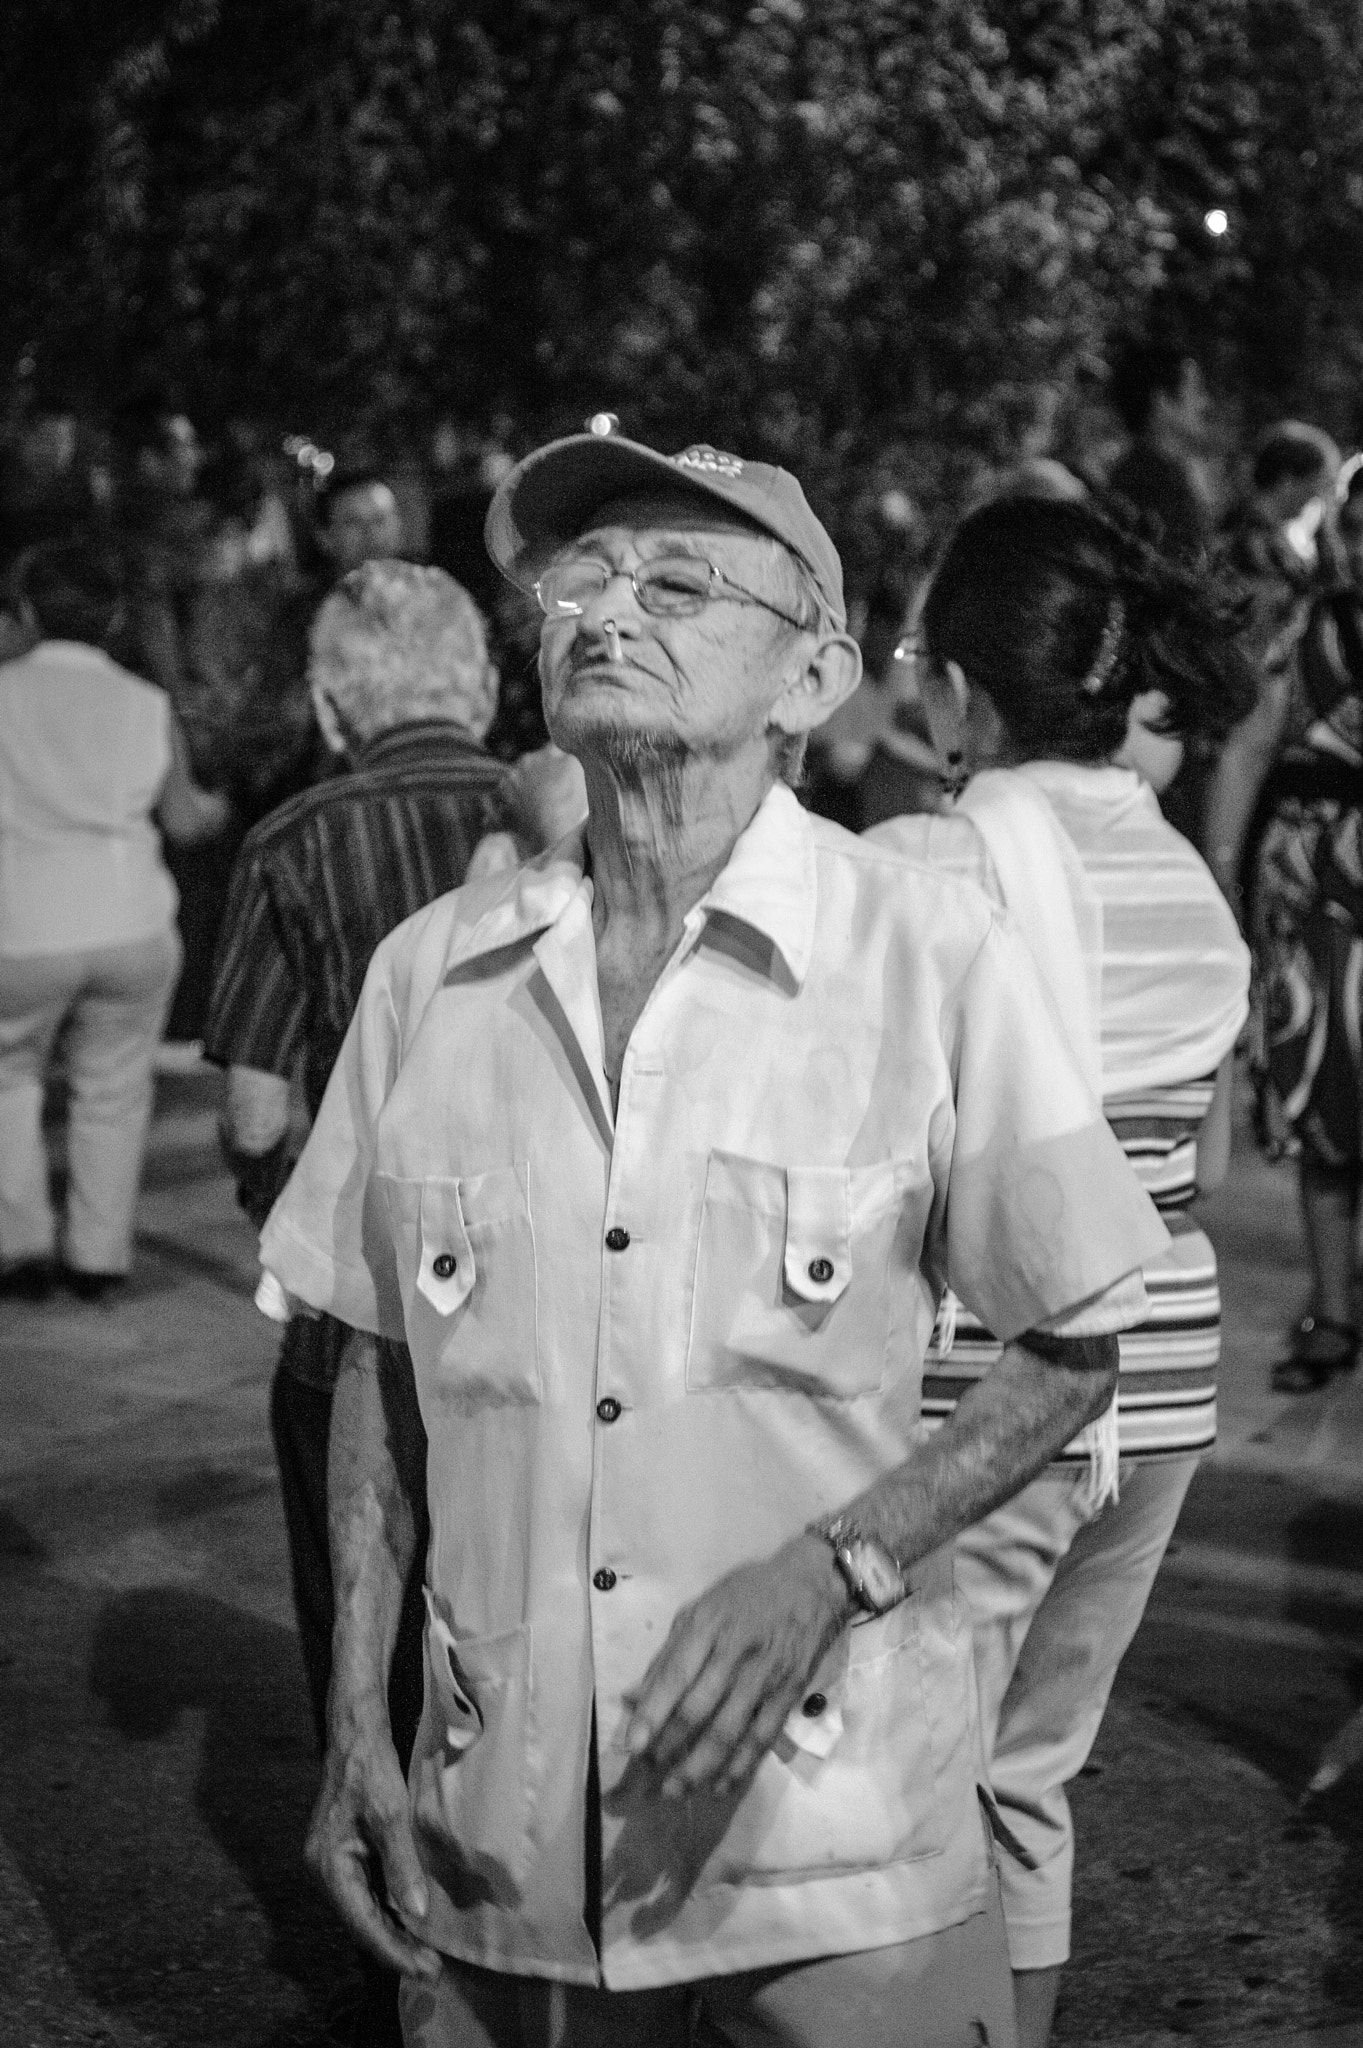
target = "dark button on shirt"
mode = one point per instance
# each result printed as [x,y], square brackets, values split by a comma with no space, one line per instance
[814,1705]
[820,1270]
[616,1239]
[604,1579]
[608,1408]
[444,1265]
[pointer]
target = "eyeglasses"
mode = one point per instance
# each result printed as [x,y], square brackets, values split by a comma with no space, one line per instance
[669,587]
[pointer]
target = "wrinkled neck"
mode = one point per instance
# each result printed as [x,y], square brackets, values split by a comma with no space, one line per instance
[660,829]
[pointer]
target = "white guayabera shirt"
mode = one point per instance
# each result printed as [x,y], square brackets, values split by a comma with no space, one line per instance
[651,1345]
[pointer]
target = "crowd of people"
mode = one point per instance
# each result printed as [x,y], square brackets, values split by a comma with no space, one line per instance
[746,1333]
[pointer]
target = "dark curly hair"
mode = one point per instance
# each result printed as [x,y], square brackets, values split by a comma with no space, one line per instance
[1063,614]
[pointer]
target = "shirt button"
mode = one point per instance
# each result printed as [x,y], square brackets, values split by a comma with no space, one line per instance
[604,1579]
[608,1409]
[444,1265]
[820,1270]
[814,1705]
[616,1239]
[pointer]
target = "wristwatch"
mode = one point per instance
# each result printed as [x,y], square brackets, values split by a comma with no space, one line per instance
[874,1579]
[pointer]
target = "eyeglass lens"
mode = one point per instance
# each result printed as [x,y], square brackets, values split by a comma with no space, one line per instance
[672,585]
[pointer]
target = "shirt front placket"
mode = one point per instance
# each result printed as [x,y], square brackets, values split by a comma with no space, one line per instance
[631,1251]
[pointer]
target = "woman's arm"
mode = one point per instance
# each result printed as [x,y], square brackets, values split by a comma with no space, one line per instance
[1213,1139]
[185,812]
[1238,778]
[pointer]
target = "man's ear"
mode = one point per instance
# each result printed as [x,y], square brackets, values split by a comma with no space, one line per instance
[328,722]
[812,693]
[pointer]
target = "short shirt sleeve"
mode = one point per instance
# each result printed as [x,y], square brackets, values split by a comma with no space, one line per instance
[327,1239]
[1042,1210]
[258,1004]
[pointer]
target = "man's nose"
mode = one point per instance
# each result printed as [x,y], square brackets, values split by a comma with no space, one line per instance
[615,601]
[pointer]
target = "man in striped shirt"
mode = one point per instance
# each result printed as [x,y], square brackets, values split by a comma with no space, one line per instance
[404,690]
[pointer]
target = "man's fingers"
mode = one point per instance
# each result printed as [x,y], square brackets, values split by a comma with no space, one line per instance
[761,1734]
[361,1843]
[402,1872]
[668,1680]
[692,1714]
[707,1758]
[348,1882]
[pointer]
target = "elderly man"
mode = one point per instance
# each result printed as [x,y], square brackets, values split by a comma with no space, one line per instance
[644,1169]
[403,691]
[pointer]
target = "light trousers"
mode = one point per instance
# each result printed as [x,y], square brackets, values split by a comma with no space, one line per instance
[947,1990]
[104,1009]
[1056,1594]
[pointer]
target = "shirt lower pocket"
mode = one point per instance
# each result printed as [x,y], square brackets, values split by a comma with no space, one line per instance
[476,1767]
[859,1786]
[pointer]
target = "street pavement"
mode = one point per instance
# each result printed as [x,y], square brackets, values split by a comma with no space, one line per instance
[156,1762]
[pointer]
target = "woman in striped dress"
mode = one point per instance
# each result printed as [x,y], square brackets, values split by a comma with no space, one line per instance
[1061,666]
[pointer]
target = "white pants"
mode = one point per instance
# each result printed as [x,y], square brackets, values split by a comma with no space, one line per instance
[108,1006]
[1056,1594]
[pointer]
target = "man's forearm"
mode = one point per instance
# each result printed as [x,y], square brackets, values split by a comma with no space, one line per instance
[1004,1431]
[375,1494]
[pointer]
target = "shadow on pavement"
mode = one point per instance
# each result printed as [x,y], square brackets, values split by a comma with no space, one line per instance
[160,1652]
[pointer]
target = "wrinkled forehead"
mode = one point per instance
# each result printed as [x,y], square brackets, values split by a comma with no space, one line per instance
[652,519]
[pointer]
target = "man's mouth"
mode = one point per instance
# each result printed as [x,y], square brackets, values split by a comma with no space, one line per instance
[601,665]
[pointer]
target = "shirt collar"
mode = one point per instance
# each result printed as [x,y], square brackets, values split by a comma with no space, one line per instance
[768,883]
[415,735]
[770,880]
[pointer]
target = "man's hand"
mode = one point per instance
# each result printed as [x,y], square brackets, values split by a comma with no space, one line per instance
[735,1662]
[361,1849]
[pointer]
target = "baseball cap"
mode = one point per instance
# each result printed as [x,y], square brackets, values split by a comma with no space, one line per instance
[548,499]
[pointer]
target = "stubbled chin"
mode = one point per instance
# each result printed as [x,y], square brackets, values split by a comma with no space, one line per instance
[595,703]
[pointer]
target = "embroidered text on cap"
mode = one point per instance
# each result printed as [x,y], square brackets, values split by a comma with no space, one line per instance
[702,456]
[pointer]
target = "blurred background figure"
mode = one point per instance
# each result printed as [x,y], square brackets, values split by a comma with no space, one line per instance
[1293,465]
[358,520]
[1306,920]
[52,487]
[1161,397]
[91,761]
[468,469]
[873,759]
[404,692]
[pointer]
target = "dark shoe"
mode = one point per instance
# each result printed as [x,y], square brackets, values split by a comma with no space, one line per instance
[28,1279]
[1320,1349]
[93,1286]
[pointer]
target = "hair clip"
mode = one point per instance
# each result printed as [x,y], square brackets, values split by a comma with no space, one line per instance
[1108,649]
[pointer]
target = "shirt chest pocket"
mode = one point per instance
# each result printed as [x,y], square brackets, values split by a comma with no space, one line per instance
[792,1277]
[466,1264]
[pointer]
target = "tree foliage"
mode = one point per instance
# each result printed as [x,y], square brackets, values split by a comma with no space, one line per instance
[873,238]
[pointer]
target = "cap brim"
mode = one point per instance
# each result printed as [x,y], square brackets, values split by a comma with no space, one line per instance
[550,497]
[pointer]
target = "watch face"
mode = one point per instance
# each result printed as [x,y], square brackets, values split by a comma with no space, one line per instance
[881,1579]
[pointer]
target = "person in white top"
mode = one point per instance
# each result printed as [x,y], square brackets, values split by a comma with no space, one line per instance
[1062,667]
[91,763]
